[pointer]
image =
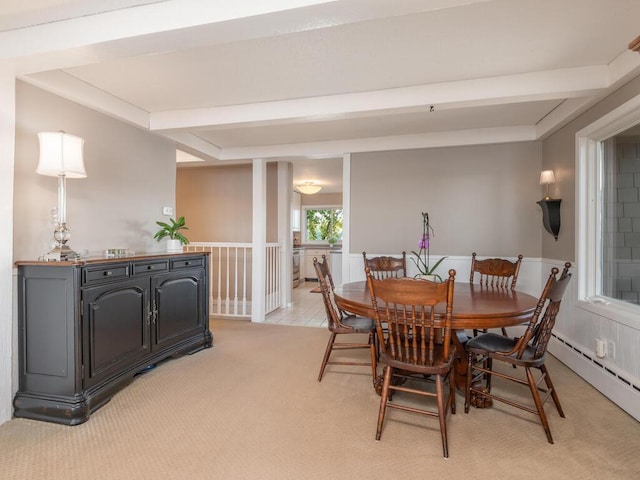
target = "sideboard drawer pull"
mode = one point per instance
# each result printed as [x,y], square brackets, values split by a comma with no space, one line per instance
[108,273]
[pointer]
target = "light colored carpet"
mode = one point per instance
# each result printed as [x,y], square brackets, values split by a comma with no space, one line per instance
[251,408]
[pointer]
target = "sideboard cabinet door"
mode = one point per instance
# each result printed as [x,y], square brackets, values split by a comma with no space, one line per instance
[115,328]
[178,300]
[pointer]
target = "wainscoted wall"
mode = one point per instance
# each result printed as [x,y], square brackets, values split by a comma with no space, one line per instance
[530,278]
[574,344]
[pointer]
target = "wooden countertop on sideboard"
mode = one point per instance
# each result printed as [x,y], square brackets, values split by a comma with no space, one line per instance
[104,259]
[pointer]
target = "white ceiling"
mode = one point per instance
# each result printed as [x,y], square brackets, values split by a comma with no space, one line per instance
[308,80]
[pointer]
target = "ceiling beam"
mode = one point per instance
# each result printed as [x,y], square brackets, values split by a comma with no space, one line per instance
[481,136]
[135,21]
[64,85]
[554,84]
[171,25]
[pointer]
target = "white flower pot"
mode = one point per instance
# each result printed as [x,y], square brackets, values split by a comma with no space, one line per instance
[174,246]
[431,278]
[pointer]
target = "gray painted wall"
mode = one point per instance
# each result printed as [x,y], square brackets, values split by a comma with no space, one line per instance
[559,154]
[479,198]
[130,177]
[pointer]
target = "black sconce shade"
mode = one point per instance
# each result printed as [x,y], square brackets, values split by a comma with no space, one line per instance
[551,215]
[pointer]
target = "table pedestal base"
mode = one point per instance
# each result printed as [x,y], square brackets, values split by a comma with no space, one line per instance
[480,401]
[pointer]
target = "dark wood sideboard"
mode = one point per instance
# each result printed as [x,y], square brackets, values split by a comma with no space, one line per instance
[87,328]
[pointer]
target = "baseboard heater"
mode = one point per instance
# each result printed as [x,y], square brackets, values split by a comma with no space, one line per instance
[596,362]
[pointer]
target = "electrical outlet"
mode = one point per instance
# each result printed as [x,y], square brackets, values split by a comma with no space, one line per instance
[611,349]
[167,211]
[601,348]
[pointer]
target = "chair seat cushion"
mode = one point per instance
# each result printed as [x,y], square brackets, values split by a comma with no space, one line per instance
[362,324]
[490,343]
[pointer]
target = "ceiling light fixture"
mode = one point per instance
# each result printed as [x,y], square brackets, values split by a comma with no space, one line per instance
[309,188]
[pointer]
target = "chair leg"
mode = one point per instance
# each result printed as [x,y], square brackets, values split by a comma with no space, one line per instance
[536,398]
[384,398]
[374,356]
[554,395]
[452,389]
[442,415]
[327,353]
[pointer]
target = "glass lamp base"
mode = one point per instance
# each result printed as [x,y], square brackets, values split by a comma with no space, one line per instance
[62,252]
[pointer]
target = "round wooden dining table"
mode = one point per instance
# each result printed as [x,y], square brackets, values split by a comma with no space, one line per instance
[474,307]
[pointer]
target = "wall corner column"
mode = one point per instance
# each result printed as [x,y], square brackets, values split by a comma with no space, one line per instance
[8,341]
[259,240]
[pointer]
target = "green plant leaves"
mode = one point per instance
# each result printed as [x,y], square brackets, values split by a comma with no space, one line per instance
[172,230]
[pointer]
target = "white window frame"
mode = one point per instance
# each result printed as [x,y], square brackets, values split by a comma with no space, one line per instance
[589,190]
[303,222]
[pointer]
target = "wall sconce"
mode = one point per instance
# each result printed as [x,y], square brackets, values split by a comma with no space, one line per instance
[61,156]
[309,188]
[547,177]
[550,207]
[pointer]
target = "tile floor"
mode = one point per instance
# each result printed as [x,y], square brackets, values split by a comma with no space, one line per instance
[306,309]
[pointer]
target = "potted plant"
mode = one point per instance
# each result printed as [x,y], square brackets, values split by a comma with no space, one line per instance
[171,231]
[422,256]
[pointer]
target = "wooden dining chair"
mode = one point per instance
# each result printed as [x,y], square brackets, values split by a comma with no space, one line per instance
[497,273]
[342,323]
[416,347]
[385,266]
[528,351]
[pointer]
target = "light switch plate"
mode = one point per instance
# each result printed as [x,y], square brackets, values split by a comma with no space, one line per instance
[167,211]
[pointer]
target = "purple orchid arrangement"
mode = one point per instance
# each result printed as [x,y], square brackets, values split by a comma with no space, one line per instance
[422,255]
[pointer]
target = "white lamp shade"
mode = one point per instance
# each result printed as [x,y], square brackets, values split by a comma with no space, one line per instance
[309,188]
[61,154]
[547,177]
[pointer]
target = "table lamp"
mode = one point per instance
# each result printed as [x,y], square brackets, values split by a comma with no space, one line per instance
[61,156]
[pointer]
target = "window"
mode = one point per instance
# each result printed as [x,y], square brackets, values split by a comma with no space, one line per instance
[322,224]
[608,222]
[620,229]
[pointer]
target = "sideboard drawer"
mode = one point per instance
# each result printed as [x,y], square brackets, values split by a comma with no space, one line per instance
[156,266]
[116,271]
[178,263]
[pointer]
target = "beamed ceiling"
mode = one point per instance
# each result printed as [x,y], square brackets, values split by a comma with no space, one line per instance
[310,80]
